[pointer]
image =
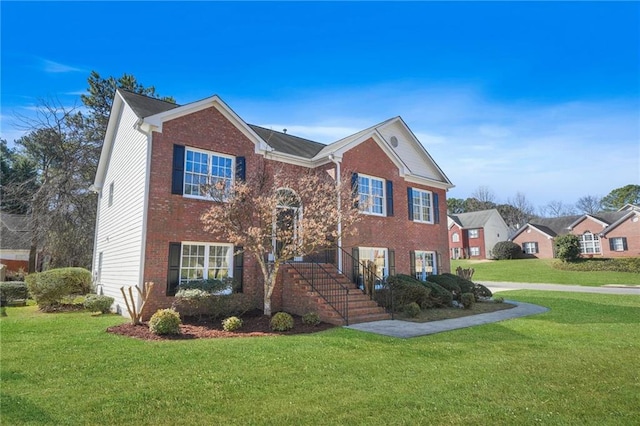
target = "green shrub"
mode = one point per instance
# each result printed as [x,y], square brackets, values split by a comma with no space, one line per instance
[567,247]
[15,275]
[98,303]
[199,303]
[281,321]
[504,250]
[231,324]
[440,296]
[465,285]
[165,321]
[50,287]
[627,264]
[498,299]
[212,286]
[412,309]
[468,300]
[13,290]
[480,290]
[448,284]
[311,318]
[236,304]
[406,290]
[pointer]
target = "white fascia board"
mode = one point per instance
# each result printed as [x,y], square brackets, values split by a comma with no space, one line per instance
[421,147]
[155,121]
[107,144]
[421,180]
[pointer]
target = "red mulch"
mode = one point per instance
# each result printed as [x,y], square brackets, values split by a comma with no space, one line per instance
[254,324]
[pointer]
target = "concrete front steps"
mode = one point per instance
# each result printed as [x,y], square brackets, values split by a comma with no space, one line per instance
[335,286]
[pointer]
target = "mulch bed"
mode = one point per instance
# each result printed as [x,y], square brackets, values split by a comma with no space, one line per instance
[253,324]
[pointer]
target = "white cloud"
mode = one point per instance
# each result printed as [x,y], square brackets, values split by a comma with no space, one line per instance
[57,67]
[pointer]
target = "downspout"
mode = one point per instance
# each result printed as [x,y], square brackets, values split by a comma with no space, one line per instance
[338,182]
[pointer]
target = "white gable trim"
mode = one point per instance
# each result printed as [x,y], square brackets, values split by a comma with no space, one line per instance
[585,217]
[154,122]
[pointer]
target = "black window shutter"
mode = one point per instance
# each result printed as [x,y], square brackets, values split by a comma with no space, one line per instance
[173,276]
[410,202]
[392,262]
[389,198]
[412,263]
[177,177]
[624,244]
[355,253]
[238,269]
[536,247]
[354,188]
[241,169]
[436,209]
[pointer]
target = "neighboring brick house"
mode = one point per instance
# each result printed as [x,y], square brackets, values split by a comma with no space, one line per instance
[15,241]
[605,234]
[148,221]
[473,235]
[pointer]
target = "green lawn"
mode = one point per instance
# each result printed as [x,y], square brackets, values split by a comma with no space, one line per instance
[541,271]
[576,364]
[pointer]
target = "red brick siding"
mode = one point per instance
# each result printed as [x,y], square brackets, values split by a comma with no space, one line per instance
[15,265]
[595,228]
[396,232]
[628,229]
[545,245]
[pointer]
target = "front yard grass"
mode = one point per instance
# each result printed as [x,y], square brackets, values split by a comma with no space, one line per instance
[576,364]
[541,271]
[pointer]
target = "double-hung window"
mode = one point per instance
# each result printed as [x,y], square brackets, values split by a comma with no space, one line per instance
[618,244]
[207,173]
[589,243]
[473,233]
[371,195]
[530,247]
[474,251]
[422,206]
[201,261]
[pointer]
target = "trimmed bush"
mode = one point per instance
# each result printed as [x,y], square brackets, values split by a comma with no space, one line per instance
[231,324]
[212,286]
[13,290]
[50,287]
[98,303]
[468,300]
[408,290]
[198,303]
[567,247]
[412,310]
[626,264]
[281,321]
[498,299]
[465,285]
[440,296]
[165,321]
[480,290]
[448,284]
[504,250]
[311,318]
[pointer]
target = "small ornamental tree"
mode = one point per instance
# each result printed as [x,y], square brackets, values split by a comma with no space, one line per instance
[567,247]
[278,216]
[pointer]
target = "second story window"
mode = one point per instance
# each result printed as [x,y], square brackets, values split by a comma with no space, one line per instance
[455,237]
[204,171]
[371,195]
[473,233]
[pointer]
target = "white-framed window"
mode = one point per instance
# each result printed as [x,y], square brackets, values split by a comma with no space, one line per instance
[455,237]
[379,256]
[473,233]
[205,261]
[589,243]
[371,195]
[530,247]
[425,264]
[474,251]
[111,189]
[204,170]
[422,203]
[618,244]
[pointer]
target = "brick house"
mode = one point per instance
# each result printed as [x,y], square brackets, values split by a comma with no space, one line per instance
[605,234]
[15,244]
[473,235]
[148,221]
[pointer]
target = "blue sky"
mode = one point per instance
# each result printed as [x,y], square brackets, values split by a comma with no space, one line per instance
[540,98]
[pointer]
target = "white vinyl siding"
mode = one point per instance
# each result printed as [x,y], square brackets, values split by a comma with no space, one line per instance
[416,159]
[120,226]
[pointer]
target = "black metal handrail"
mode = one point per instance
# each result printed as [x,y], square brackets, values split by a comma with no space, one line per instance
[325,284]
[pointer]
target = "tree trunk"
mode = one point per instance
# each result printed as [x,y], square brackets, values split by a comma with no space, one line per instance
[267,305]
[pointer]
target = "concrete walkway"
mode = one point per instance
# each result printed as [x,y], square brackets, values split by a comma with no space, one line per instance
[496,286]
[404,329]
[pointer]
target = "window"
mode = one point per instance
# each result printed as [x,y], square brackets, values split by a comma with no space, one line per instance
[425,264]
[474,251]
[371,197]
[455,237]
[530,247]
[421,205]
[205,170]
[111,194]
[589,243]
[618,244]
[379,256]
[473,233]
[205,261]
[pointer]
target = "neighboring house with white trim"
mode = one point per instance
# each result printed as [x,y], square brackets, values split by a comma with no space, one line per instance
[473,235]
[155,155]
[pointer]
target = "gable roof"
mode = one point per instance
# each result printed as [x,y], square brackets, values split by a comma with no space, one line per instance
[550,226]
[628,214]
[472,220]
[15,231]
[603,218]
[144,106]
[288,144]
